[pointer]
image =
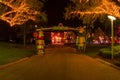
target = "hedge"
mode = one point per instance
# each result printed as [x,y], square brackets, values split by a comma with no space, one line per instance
[106,52]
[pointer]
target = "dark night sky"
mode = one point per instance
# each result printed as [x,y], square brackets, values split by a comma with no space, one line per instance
[55,10]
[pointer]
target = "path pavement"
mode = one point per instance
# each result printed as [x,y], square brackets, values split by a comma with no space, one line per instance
[60,63]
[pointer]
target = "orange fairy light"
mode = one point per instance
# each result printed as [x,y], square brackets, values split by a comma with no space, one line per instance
[21,11]
[106,7]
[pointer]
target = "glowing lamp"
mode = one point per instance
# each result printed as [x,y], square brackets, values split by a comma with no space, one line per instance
[112,34]
[111,17]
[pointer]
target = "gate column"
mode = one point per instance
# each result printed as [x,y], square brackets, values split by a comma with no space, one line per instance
[40,42]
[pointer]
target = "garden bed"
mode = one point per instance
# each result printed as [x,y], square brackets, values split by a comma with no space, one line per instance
[105,54]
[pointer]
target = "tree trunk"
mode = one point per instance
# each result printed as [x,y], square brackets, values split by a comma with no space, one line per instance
[24,35]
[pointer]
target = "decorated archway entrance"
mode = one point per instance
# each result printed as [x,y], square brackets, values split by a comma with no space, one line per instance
[57,35]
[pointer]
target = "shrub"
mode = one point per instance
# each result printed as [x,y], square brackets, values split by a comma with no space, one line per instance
[106,52]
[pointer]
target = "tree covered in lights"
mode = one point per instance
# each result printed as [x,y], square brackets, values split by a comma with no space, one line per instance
[91,10]
[18,12]
[23,13]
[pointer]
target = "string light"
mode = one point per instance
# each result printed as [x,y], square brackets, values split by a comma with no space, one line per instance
[84,1]
[18,14]
[106,7]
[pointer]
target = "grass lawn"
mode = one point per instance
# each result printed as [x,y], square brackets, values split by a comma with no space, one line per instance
[10,52]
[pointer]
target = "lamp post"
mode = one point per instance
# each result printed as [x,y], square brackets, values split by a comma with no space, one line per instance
[112,34]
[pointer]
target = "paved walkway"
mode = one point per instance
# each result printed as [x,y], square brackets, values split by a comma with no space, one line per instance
[60,63]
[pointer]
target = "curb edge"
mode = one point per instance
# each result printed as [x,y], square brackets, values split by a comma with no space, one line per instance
[107,63]
[14,62]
